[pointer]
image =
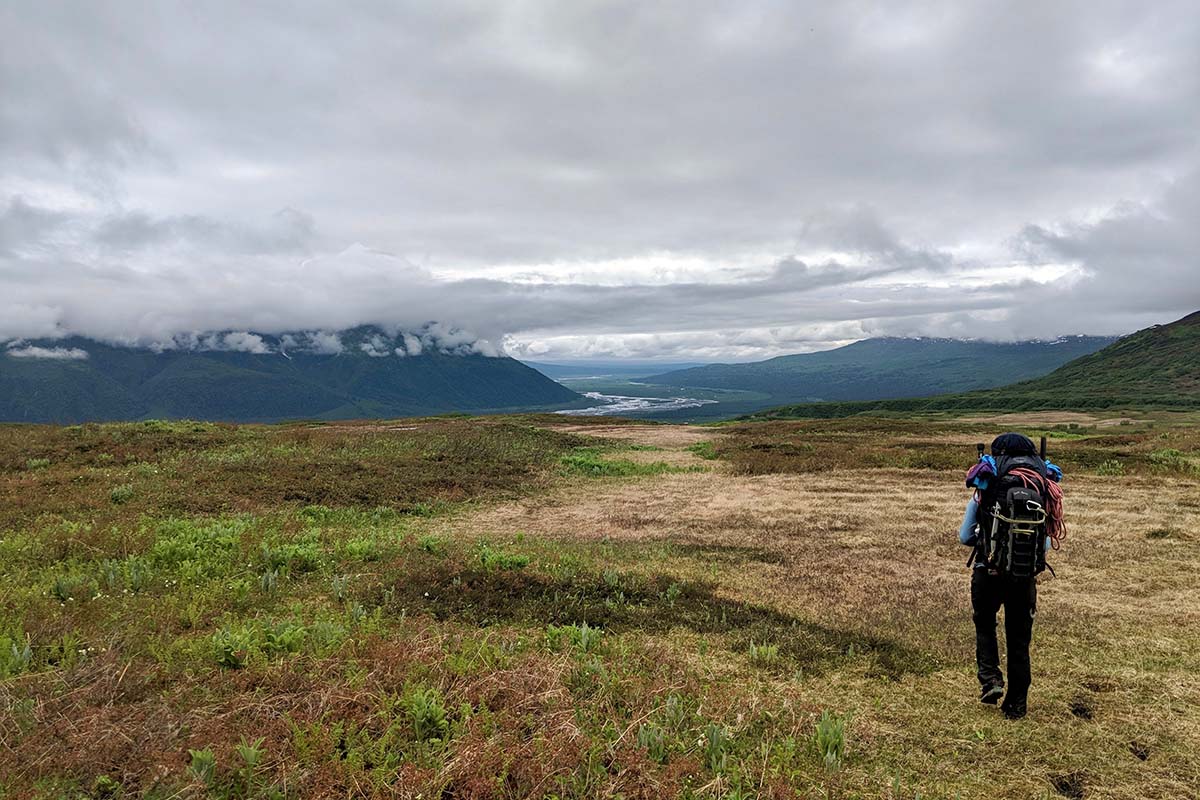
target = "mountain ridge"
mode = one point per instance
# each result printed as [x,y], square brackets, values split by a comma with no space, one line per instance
[888,367]
[1156,367]
[247,377]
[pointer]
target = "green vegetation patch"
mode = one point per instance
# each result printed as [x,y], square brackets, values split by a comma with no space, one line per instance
[596,462]
[705,450]
[113,474]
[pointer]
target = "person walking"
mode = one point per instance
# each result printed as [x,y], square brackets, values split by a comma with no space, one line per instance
[1014,517]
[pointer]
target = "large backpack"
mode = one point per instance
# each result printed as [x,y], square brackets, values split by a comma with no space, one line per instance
[1012,514]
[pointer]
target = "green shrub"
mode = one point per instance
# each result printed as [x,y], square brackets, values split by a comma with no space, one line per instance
[493,559]
[764,655]
[361,549]
[79,588]
[706,450]
[674,713]
[203,765]
[326,635]
[583,638]
[196,548]
[16,655]
[716,747]
[426,711]
[240,593]
[105,787]
[422,510]
[653,740]
[236,646]
[302,555]
[130,574]
[322,515]
[588,678]
[120,495]
[281,638]
[1110,467]
[831,739]
[432,544]
[1174,460]
[137,574]
[233,647]
[37,463]
[268,581]
[113,574]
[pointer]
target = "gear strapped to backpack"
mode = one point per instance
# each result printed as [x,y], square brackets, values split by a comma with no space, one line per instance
[1013,510]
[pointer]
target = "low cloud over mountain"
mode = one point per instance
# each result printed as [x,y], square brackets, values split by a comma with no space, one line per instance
[613,180]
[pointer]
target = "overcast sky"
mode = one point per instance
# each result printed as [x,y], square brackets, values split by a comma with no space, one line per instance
[680,180]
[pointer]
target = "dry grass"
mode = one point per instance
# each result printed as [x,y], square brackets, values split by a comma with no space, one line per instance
[1117,632]
[1049,418]
[853,570]
[664,436]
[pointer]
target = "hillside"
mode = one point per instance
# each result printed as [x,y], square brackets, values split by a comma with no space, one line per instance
[876,369]
[1158,367]
[284,377]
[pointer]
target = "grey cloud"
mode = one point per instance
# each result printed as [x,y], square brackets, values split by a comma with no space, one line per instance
[289,231]
[22,225]
[1139,257]
[838,170]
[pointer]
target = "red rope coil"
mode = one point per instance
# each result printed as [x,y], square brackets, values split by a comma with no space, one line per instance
[1056,527]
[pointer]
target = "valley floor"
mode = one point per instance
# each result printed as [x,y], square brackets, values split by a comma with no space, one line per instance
[536,607]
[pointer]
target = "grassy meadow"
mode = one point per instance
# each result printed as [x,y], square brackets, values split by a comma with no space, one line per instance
[540,607]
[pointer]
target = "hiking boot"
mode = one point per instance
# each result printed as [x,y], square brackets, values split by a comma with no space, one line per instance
[1014,711]
[991,694]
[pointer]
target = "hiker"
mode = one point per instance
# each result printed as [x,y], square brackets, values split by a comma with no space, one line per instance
[1014,517]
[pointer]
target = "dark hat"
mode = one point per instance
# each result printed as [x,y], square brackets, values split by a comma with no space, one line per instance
[1013,444]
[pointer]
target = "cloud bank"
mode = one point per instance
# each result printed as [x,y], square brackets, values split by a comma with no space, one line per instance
[48,353]
[597,180]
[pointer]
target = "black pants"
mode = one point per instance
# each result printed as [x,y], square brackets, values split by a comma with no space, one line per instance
[1019,598]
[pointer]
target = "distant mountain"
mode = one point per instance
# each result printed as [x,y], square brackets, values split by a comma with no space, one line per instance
[1158,367]
[606,369]
[246,377]
[888,367]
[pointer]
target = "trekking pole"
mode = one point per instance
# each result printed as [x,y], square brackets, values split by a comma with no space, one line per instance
[981,447]
[1043,449]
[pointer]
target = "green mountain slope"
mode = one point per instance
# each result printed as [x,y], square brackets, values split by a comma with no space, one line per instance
[885,368]
[1158,367]
[125,383]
